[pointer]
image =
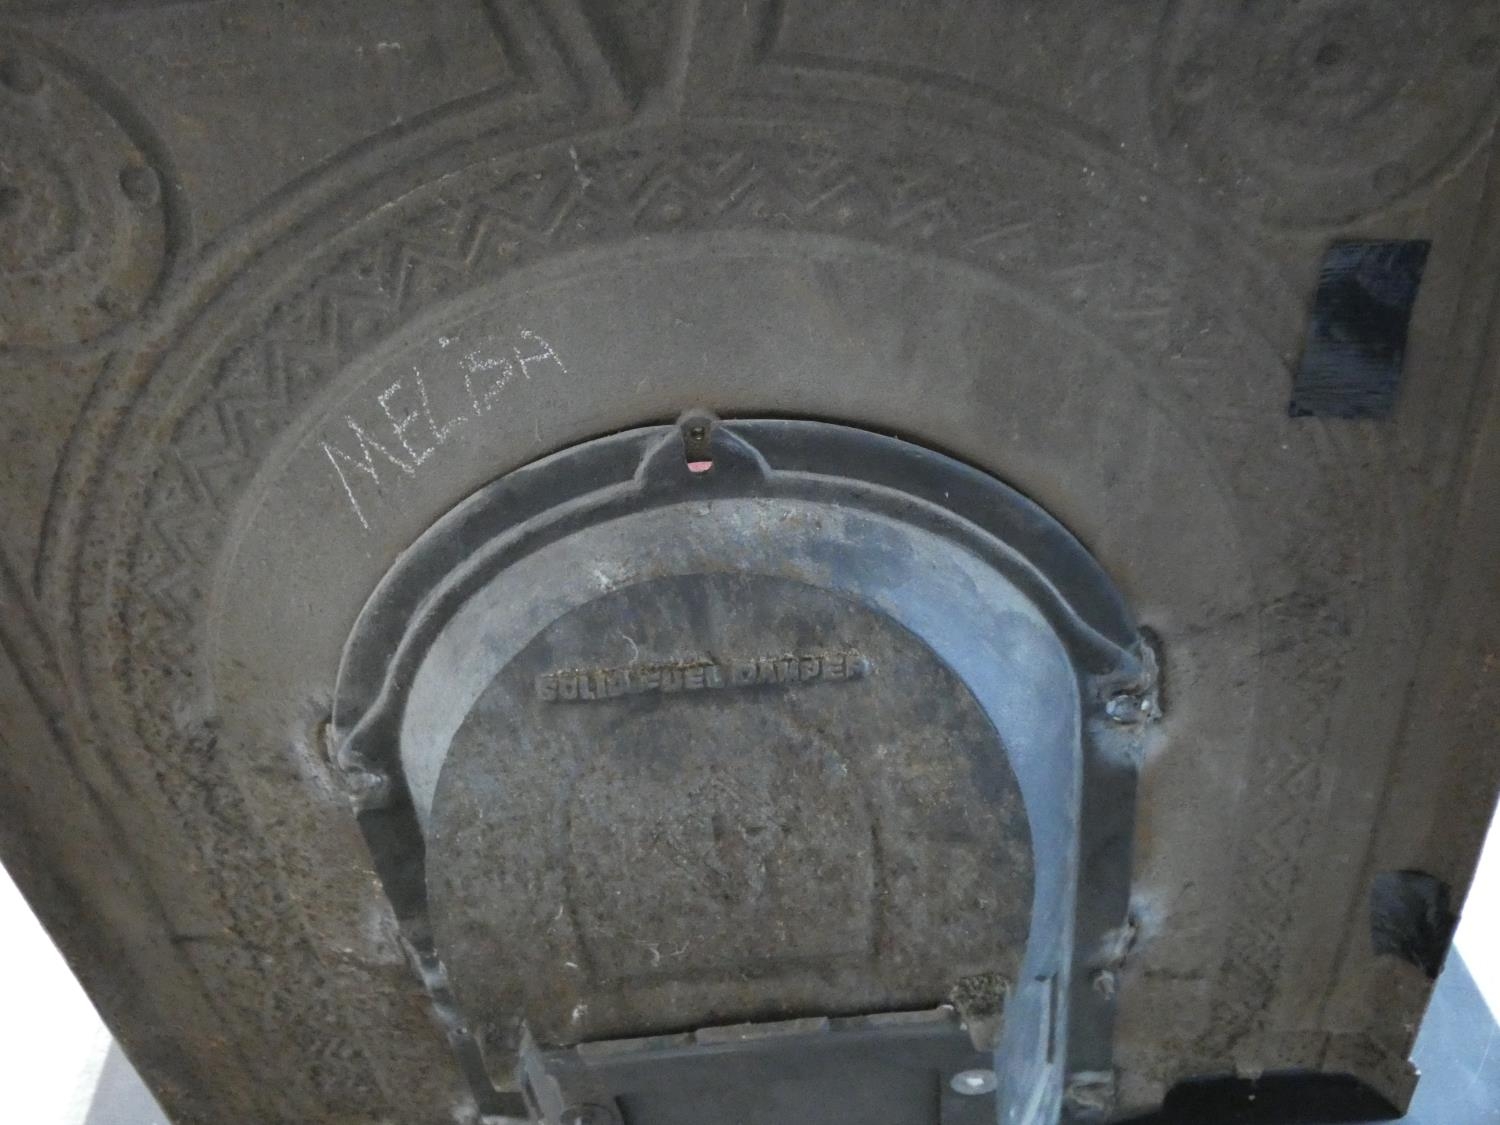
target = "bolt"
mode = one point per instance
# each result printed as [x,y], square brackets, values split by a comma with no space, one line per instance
[366,784]
[587,1115]
[972,1083]
[1129,708]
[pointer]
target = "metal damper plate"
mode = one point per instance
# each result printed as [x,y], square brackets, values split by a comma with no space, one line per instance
[755,772]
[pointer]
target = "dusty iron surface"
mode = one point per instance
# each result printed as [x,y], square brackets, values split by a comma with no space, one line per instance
[599,816]
[279,285]
[710,878]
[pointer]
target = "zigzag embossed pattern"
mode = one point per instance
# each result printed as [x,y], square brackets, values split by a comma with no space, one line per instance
[298,346]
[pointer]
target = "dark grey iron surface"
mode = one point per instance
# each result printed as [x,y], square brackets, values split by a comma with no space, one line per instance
[714,854]
[281,285]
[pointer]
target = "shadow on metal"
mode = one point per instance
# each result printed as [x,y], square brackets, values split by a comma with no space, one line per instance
[1458,1053]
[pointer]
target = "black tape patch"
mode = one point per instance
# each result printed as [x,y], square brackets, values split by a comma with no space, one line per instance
[1278,1098]
[1411,917]
[1356,343]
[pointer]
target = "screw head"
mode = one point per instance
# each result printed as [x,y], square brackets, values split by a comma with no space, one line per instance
[973,1083]
[1127,708]
[587,1115]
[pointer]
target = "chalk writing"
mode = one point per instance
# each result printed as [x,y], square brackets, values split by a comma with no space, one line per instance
[420,413]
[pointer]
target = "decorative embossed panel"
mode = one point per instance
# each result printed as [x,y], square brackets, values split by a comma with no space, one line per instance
[190,67]
[85,234]
[1324,110]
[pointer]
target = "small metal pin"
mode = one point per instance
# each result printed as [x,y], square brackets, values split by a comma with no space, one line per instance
[697,428]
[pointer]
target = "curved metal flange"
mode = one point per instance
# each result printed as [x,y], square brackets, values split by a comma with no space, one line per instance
[704,461]
[629,472]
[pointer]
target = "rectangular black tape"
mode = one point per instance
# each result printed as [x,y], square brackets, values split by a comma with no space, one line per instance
[1356,342]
